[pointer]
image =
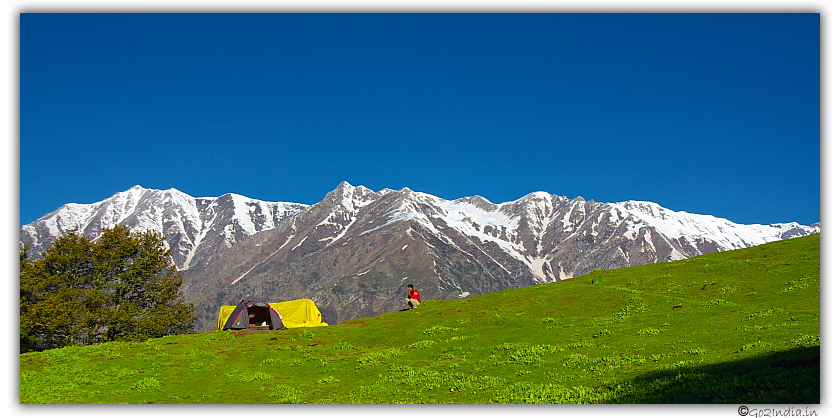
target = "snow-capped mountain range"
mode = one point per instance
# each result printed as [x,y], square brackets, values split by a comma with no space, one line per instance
[354,251]
[193,227]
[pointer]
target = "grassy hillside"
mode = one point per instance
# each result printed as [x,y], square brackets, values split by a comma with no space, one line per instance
[735,327]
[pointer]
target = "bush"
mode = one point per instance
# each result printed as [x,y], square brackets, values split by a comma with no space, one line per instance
[649,331]
[343,346]
[438,329]
[147,384]
[282,394]
[602,333]
[805,341]
[532,354]
[421,344]
[369,358]
[714,302]
[271,362]
[123,287]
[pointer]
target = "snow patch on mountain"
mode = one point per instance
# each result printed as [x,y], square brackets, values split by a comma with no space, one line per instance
[464,216]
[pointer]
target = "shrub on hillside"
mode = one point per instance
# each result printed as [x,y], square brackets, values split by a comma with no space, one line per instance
[122,287]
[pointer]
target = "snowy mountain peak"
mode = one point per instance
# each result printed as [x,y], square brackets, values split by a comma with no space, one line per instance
[192,226]
[538,196]
[479,202]
[350,197]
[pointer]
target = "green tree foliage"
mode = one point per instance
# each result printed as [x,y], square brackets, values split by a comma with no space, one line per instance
[122,287]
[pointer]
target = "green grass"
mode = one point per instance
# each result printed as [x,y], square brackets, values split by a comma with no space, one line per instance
[735,327]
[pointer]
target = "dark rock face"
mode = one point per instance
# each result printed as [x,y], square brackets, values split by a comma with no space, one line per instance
[355,252]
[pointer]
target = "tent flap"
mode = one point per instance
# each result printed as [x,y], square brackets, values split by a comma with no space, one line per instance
[299,313]
[224,314]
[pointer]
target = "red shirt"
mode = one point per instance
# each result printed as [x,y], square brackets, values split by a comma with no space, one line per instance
[414,294]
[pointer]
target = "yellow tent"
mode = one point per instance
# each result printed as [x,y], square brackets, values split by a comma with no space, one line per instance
[296,313]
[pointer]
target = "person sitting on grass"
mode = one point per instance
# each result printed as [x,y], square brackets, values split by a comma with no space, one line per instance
[413,299]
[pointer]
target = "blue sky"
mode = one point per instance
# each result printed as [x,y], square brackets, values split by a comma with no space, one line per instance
[708,113]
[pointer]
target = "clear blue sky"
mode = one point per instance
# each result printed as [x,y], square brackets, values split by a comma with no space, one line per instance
[708,113]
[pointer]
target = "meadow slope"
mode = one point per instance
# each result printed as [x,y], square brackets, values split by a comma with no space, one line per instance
[735,327]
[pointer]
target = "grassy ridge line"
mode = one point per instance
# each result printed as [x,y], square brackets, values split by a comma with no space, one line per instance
[735,327]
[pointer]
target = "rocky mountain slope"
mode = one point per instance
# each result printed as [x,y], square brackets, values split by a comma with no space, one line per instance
[354,252]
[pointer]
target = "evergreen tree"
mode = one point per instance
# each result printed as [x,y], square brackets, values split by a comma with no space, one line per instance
[122,287]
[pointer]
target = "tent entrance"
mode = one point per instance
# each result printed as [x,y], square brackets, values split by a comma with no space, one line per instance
[261,316]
